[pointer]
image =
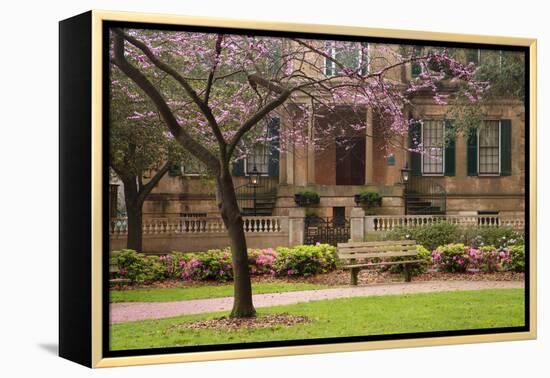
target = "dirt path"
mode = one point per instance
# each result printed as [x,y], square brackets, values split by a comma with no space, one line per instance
[124,312]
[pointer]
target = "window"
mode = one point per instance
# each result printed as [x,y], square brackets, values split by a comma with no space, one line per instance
[489,148]
[350,54]
[479,56]
[257,158]
[433,142]
[473,56]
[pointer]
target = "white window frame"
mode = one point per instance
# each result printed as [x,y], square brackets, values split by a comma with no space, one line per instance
[263,174]
[499,151]
[332,52]
[422,154]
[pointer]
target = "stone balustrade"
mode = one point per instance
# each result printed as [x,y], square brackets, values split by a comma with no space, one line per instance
[384,223]
[169,226]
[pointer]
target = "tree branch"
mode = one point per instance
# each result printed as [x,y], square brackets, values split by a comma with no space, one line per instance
[177,131]
[254,119]
[146,189]
[213,70]
[188,89]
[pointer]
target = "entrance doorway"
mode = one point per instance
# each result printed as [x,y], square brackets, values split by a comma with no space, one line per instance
[350,161]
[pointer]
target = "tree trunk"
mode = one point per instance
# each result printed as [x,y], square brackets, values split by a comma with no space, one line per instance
[134,212]
[231,215]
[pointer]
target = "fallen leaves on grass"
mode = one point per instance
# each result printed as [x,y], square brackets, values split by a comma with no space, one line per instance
[236,324]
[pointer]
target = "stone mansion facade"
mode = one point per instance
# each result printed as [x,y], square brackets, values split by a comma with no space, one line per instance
[474,174]
[482,173]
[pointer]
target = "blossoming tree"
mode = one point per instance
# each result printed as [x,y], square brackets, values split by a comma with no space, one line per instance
[216,94]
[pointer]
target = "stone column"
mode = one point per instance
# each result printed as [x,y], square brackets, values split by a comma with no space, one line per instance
[357,225]
[289,159]
[369,224]
[311,147]
[296,218]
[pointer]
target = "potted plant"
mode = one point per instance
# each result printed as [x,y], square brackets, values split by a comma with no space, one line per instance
[307,198]
[368,199]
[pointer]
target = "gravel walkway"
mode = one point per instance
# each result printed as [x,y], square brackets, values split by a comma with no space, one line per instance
[125,312]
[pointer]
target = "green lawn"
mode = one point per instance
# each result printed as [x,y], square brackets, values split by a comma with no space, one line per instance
[440,311]
[201,292]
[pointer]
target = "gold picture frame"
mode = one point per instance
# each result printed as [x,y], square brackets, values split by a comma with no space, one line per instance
[92,266]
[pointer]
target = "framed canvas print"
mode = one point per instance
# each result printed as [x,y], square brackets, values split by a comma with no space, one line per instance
[235,189]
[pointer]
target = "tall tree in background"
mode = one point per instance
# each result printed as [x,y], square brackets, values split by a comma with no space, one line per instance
[141,152]
[217,92]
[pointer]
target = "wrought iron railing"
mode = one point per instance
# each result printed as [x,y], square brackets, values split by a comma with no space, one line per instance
[425,195]
[249,196]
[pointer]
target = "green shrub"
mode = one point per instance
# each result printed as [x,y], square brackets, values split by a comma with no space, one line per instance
[441,233]
[415,269]
[500,237]
[430,237]
[304,260]
[137,267]
[309,197]
[516,260]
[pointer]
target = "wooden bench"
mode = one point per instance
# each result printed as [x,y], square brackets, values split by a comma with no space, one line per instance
[359,255]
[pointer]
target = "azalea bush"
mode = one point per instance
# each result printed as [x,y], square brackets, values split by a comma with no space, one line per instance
[215,265]
[204,266]
[305,260]
[137,267]
[452,258]
[487,258]
[516,259]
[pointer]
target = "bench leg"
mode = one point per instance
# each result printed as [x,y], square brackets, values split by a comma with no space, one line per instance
[407,272]
[354,273]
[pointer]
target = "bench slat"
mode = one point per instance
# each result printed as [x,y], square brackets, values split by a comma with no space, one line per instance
[376,243]
[407,248]
[363,256]
[382,263]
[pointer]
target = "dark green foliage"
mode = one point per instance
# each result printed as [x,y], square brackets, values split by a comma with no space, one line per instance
[305,260]
[430,237]
[137,267]
[443,232]
[370,198]
[516,261]
[308,197]
[500,237]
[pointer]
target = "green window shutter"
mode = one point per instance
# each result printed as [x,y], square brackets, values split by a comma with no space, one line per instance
[416,68]
[174,170]
[414,141]
[472,152]
[273,156]
[238,168]
[449,150]
[505,147]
